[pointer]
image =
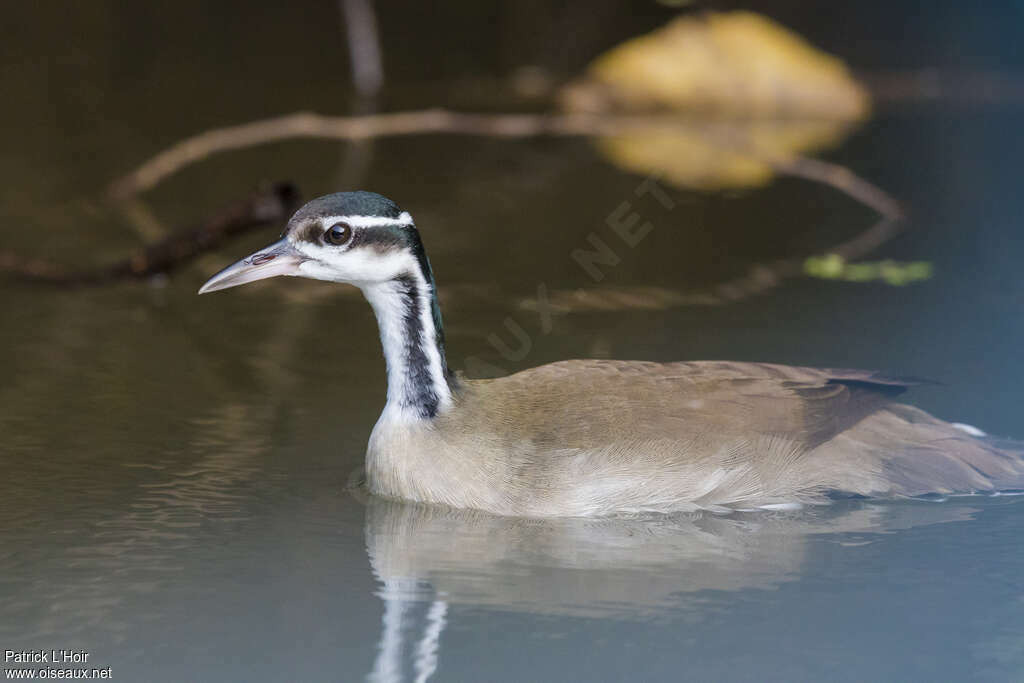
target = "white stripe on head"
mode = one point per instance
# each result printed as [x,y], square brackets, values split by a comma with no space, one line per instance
[367,221]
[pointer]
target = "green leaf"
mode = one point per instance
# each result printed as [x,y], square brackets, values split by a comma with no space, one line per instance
[834,267]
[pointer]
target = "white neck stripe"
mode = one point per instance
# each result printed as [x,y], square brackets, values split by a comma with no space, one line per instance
[389,305]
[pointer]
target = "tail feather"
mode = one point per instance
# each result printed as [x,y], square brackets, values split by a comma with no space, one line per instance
[904,451]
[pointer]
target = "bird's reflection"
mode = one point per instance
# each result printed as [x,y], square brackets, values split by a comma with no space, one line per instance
[427,558]
[401,614]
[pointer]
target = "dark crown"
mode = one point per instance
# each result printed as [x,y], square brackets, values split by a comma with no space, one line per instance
[359,203]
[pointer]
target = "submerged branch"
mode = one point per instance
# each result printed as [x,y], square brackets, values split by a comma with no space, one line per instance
[264,207]
[310,125]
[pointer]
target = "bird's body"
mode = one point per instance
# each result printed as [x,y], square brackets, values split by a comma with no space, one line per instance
[595,437]
[609,437]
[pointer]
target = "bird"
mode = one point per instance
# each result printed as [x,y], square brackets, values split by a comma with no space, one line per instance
[590,438]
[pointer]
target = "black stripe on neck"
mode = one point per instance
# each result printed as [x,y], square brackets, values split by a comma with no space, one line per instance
[416,246]
[418,389]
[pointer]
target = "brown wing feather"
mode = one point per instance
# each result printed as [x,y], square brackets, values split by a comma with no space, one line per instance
[583,403]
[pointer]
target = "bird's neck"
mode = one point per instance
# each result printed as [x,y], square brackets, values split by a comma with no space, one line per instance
[413,339]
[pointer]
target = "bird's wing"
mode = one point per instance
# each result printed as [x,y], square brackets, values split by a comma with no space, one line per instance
[593,403]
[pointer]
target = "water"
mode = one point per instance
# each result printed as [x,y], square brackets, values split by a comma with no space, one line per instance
[174,493]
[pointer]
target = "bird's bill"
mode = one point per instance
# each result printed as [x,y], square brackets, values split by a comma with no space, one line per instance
[280,258]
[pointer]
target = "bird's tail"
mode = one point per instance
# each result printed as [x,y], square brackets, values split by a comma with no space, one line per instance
[904,451]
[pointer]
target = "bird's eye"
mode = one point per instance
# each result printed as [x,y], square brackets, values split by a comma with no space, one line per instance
[338,234]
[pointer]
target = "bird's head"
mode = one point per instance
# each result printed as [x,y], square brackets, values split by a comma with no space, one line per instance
[360,238]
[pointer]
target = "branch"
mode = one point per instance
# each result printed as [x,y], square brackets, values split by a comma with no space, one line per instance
[264,207]
[842,179]
[363,46]
[310,125]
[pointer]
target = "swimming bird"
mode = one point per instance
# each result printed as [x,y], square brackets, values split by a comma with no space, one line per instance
[603,437]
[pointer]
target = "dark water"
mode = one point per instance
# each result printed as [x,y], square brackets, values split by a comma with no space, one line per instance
[173,492]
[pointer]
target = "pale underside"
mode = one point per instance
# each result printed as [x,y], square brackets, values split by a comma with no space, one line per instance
[602,437]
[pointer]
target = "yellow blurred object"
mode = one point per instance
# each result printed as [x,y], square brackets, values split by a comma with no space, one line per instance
[753,93]
[720,154]
[736,63]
